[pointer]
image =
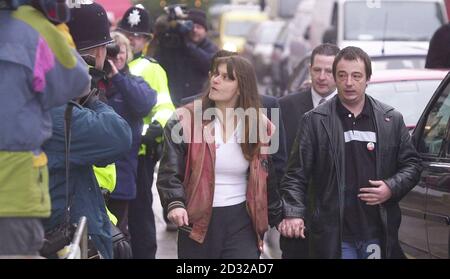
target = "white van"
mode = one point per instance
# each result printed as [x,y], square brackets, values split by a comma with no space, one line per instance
[380,27]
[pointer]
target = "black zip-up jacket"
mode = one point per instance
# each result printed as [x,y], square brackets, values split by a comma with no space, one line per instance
[316,167]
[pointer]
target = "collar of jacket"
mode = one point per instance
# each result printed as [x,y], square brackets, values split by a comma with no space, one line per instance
[378,107]
[190,110]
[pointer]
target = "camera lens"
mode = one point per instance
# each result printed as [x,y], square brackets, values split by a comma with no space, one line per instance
[112,50]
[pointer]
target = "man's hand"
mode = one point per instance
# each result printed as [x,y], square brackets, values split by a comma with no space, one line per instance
[292,228]
[113,69]
[377,194]
[178,216]
[154,131]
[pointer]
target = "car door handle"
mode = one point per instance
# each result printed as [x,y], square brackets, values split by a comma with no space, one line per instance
[439,165]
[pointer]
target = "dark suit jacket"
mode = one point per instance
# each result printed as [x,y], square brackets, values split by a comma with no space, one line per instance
[293,106]
[280,157]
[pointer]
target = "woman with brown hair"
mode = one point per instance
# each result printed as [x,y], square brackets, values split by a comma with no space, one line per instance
[215,177]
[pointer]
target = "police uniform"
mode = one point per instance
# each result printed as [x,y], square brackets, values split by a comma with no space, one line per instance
[141,219]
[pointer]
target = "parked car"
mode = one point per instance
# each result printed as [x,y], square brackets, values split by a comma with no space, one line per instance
[235,25]
[408,91]
[259,46]
[290,46]
[425,229]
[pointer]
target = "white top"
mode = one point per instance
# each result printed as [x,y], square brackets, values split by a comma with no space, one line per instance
[316,97]
[230,170]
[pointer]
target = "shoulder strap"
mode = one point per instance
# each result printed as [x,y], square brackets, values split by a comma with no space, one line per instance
[67,123]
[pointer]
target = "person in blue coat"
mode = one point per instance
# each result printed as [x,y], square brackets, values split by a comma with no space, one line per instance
[132,98]
[99,136]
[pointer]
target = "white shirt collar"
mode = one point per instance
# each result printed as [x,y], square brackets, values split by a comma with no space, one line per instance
[316,97]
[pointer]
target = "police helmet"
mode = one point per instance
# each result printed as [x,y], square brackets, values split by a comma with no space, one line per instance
[89,26]
[136,20]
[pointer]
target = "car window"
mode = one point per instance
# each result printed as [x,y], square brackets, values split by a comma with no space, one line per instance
[283,35]
[239,28]
[269,32]
[300,75]
[408,97]
[435,131]
[393,21]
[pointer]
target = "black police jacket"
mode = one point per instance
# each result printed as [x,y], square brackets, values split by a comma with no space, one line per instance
[314,184]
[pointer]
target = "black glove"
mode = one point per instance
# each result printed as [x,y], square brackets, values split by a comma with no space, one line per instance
[153,132]
[106,194]
[152,141]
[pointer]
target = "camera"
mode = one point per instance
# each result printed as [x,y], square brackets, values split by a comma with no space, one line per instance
[176,12]
[173,26]
[112,50]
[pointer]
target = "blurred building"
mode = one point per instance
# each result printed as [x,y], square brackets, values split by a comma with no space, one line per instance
[115,9]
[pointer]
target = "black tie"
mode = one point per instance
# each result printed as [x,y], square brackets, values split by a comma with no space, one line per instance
[322,101]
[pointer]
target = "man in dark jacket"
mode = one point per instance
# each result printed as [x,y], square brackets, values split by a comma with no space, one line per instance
[352,162]
[185,55]
[294,106]
[99,137]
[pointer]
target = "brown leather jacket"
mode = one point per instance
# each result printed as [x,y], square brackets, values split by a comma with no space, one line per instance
[193,187]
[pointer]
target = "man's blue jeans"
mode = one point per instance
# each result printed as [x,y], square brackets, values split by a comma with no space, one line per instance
[365,249]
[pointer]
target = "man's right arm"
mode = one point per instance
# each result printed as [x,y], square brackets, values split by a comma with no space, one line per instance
[59,82]
[294,184]
[99,136]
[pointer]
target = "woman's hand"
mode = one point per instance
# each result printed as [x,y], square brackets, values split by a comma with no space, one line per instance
[178,216]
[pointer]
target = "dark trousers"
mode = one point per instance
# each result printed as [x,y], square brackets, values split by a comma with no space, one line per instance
[230,236]
[141,220]
[293,248]
[120,209]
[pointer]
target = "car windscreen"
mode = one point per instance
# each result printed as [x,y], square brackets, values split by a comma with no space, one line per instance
[238,28]
[408,97]
[268,33]
[391,20]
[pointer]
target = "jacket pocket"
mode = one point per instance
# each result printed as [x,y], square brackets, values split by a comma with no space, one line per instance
[24,185]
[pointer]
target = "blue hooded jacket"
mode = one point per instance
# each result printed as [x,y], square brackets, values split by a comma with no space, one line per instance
[99,136]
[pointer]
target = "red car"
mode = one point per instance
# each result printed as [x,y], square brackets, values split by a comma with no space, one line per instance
[407,90]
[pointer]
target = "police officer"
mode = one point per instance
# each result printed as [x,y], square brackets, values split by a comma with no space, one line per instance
[135,24]
[99,137]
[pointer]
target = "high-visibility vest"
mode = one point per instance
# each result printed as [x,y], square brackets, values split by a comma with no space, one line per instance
[156,77]
[106,178]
